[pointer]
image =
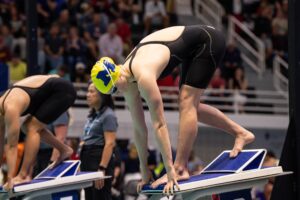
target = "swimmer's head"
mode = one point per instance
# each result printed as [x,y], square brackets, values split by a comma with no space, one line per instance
[105,74]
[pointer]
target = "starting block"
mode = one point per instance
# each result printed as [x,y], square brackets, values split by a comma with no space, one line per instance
[61,182]
[225,175]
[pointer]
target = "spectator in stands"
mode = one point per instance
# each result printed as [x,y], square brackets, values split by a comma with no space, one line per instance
[4,12]
[99,141]
[54,47]
[74,50]
[285,7]
[101,6]
[98,25]
[231,61]
[17,68]
[268,50]
[20,40]
[91,50]
[263,21]
[80,75]
[7,36]
[123,30]
[85,16]
[73,6]
[44,14]
[125,9]
[155,13]
[111,45]
[41,51]
[5,52]
[250,6]
[64,23]
[15,20]
[238,82]
[132,161]
[49,10]
[280,30]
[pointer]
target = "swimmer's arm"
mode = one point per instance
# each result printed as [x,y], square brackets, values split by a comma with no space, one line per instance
[13,130]
[2,134]
[151,93]
[134,102]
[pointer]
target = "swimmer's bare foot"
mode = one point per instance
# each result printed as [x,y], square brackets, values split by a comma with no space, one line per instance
[63,156]
[15,181]
[181,175]
[241,140]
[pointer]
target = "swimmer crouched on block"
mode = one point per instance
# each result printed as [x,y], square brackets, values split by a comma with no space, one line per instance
[200,50]
[42,98]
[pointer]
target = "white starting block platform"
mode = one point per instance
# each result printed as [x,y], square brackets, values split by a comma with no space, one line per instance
[58,182]
[225,175]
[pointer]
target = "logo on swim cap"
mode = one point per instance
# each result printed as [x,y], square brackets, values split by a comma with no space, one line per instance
[104,75]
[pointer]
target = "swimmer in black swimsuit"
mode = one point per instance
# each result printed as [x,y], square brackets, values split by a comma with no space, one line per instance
[200,50]
[42,99]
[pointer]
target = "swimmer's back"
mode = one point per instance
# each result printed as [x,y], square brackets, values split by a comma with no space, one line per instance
[35,81]
[166,34]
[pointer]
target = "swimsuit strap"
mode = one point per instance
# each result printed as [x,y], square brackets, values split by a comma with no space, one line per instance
[133,53]
[3,111]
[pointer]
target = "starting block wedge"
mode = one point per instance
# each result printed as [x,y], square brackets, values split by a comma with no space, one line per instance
[59,181]
[223,175]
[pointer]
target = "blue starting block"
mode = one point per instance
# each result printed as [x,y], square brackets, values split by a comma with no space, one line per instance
[61,182]
[223,176]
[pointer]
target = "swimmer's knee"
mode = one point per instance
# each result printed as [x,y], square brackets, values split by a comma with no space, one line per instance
[32,123]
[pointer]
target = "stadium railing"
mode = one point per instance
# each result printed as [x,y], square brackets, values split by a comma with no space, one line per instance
[229,101]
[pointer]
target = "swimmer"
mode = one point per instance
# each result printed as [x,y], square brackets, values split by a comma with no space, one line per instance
[42,98]
[199,49]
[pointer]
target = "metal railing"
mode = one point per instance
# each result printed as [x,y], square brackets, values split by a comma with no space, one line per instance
[253,53]
[230,101]
[210,12]
[280,80]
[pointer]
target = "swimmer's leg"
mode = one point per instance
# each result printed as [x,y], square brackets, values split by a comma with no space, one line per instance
[215,118]
[188,128]
[31,127]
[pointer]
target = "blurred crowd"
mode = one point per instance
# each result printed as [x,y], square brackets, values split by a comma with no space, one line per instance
[268,19]
[73,34]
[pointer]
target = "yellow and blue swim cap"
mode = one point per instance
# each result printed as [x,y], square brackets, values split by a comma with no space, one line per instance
[105,74]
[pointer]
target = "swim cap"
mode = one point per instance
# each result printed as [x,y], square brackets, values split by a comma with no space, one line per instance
[104,75]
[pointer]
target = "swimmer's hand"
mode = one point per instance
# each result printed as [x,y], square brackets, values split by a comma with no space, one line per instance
[172,182]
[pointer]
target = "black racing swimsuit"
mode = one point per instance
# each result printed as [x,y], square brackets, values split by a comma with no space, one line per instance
[48,101]
[199,49]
